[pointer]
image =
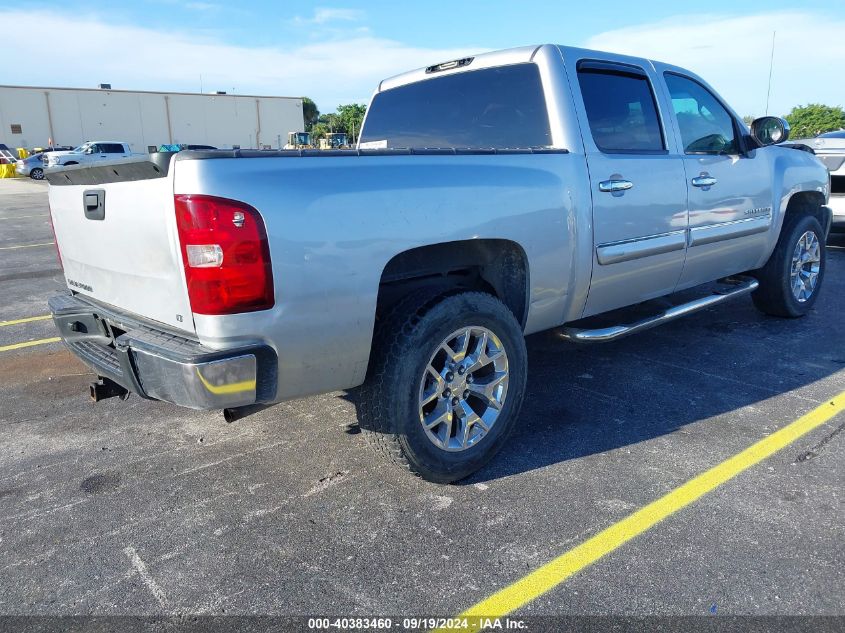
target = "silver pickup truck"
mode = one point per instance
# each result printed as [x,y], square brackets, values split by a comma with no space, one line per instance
[490,197]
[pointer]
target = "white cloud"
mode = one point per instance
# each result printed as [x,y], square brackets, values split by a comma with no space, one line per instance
[732,54]
[324,15]
[201,6]
[331,72]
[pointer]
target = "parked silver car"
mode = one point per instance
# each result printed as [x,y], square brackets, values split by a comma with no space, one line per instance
[33,166]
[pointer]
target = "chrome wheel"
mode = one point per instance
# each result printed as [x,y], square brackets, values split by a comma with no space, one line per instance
[463,388]
[37,174]
[806,264]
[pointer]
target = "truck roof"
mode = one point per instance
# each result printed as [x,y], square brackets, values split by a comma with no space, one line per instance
[503,57]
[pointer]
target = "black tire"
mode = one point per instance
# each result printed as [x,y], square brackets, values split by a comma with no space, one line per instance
[404,342]
[69,163]
[37,173]
[775,296]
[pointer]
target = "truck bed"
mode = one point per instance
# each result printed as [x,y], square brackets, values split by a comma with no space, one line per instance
[334,221]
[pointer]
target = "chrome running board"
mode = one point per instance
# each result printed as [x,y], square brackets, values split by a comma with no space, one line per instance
[740,286]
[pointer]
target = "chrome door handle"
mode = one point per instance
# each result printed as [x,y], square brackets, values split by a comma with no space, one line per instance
[703,181]
[612,186]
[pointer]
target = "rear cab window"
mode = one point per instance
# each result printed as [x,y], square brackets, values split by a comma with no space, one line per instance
[491,108]
[621,108]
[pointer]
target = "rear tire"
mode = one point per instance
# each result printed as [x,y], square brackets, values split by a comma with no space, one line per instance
[37,174]
[444,413]
[791,279]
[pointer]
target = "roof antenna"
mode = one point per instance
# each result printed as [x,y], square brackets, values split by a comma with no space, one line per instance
[771,66]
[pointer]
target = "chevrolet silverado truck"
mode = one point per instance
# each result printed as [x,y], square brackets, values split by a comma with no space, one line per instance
[490,197]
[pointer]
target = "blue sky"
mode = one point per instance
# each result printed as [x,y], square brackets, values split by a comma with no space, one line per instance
[336,52]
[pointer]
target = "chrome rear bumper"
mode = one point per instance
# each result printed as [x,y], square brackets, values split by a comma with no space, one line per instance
[160,365]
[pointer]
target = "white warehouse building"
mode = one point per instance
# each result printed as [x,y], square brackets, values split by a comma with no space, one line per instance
[31,117]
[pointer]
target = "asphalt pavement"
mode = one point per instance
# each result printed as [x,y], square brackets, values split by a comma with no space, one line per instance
[140,507]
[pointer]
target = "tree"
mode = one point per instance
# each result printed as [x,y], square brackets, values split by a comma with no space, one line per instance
[747,119]
[351,116]
[326,123]
[347,119]
[813,119]
[318,131]
[333,121]
[310,112]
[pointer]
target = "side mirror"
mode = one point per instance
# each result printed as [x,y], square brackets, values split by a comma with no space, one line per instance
[90,150]
[769,130]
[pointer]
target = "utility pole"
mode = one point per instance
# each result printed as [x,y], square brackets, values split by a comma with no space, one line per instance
[771,67]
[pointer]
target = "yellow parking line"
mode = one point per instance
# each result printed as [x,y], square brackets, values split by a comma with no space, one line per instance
[26,320]
[43,341]
[555,572]
[9,248]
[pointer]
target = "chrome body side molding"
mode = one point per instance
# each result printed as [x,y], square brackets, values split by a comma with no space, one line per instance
[729,230]
[615,252]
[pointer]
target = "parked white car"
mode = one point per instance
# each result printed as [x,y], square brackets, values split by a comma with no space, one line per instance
[89,152]
[830,149]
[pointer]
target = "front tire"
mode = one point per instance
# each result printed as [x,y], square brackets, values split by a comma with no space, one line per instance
[448,375]
[791,279]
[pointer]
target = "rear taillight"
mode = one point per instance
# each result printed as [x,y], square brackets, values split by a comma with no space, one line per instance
[225,254]
[55,240]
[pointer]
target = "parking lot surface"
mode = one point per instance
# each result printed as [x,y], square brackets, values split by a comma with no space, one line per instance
[140,507]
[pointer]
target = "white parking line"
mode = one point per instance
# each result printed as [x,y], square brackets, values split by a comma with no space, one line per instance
[146,577]
[9,248]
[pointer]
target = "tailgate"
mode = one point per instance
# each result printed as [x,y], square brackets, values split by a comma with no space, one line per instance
[116,232]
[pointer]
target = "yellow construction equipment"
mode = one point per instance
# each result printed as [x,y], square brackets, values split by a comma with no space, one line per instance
[299,140]
[335,140]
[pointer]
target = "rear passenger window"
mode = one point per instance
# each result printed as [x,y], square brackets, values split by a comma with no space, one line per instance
[113,148]
[490,108]
[706,125]
[620,109]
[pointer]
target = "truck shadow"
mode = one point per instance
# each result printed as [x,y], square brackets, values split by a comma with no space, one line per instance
[586,400]
[836,242]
